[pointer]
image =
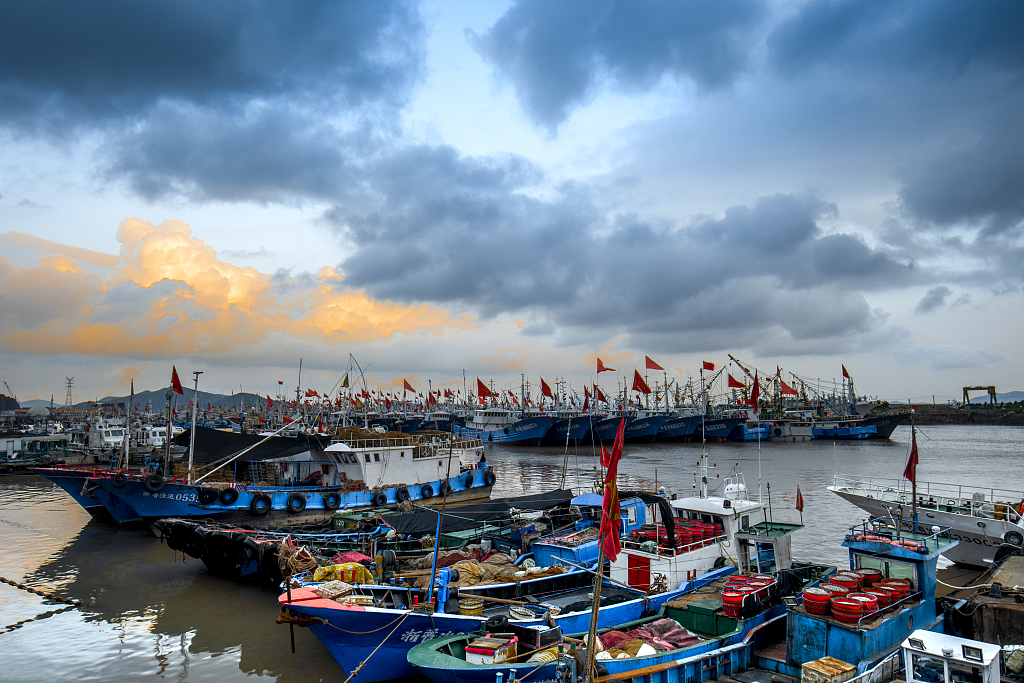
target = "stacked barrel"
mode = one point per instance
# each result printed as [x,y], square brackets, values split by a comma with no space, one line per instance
[849,596]
[740,590]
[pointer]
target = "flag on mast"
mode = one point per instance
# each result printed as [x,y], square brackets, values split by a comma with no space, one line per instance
[175,382]
[609,533]
[735,383]
[651,365]
[639,384]
[910,471]
[845,373]
[407,387]
[708,366]
[601,367]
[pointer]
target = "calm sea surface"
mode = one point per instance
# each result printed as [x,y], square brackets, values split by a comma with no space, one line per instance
[152,616]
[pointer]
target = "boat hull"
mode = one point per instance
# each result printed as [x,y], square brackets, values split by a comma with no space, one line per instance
[678,428]
[133,503]
[645,429]
[885,425]
[718,429]
[529,432]
[604,430]
[570,429]
[343,627]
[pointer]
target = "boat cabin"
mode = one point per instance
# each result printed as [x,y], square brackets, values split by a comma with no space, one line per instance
[578,544]
[938,658]
[856,627]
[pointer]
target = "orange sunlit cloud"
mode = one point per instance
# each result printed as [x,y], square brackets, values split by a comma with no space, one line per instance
[169,294]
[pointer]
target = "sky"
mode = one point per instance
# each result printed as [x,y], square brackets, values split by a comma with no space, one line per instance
[510,189]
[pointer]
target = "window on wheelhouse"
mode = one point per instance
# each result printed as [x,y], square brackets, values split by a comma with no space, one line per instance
[891,569]
[367,456]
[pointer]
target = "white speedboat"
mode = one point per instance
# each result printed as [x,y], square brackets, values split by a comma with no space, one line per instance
[982,519]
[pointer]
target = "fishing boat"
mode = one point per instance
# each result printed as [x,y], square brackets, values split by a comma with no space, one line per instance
[982,519]
[244,552]
[501,425]
[361,472]
[679,428]
[573,427]
[577,545]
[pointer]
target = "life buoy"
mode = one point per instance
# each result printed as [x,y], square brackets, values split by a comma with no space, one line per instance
[332,500]
[402,494]
[207,495]
[228,496]
[777,432]
[490,478]
[119,480]
[445,488]
[1014,537]
[296,503]
[154,483]
[260,504]
[426,491]
[379,499]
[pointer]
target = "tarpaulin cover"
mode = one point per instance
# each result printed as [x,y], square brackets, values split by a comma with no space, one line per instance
[213,444]
[468,516]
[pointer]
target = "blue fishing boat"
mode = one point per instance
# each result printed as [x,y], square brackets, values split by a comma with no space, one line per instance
[572,427]
[376,640]
[500,425]
[360,473]
[578,545]
[604,430]
[645,426]
[751,431]
[844,432]
[678,428]
[716,429]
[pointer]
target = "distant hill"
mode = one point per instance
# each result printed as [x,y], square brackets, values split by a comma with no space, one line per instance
[157,400]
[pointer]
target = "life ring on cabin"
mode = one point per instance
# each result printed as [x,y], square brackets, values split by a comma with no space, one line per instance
[402,494]
[260,505]
[154,483]
[490,478]
[119,480]
[426,491]
[228,496]
[379,499]
[207,495]
[296,503]
[445,488]
[777,432]
[332,500]
[1014,537]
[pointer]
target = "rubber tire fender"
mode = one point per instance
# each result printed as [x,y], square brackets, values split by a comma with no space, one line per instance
[154,483]
[296,503]
[426,491]
[777,432]
[445,488]
[1014,538]
[379,499]
[490,478]
[119,480]
[402,494]
[228,496]
[260,505]
[332,500]
[207,495]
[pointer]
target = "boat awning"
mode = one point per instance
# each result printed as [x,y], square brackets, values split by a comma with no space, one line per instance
[468,516]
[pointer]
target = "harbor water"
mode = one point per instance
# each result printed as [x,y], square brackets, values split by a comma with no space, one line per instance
[151,614]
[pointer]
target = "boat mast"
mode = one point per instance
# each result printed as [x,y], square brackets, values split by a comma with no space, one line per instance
[192,436]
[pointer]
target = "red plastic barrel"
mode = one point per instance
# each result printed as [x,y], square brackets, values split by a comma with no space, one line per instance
[850,581]
[816,600]
[897,584]
[882,597]
[869,576]
[868,602]
[846,610]
[732,603]
[834,589]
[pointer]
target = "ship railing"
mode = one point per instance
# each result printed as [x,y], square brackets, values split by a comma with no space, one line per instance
[891,607]
[974,501]
[928,535]
[668,551]
[385,442]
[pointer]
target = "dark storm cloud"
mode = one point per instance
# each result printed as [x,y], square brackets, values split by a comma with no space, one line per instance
[64,62]
[466,232]
[933,298]
[555,53]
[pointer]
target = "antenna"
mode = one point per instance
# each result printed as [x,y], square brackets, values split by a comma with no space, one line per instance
[69,382]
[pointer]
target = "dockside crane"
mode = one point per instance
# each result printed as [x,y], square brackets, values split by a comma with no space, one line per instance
[10,391]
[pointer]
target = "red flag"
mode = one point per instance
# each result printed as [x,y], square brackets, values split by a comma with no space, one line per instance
[651,365]
[599,394]
[755,393]
[910,471]
[407,387]
[586,403]
[609,533]
[845,373]
[786,389]
[175,382]
[708,366]
[799,500]
[270,404]
[310,392]
[601,368]
[639,384]
[606,457]
[586,391]
[481,389]
[545,389]
[736,383]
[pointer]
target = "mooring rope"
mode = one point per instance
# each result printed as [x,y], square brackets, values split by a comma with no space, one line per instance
[55,598]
